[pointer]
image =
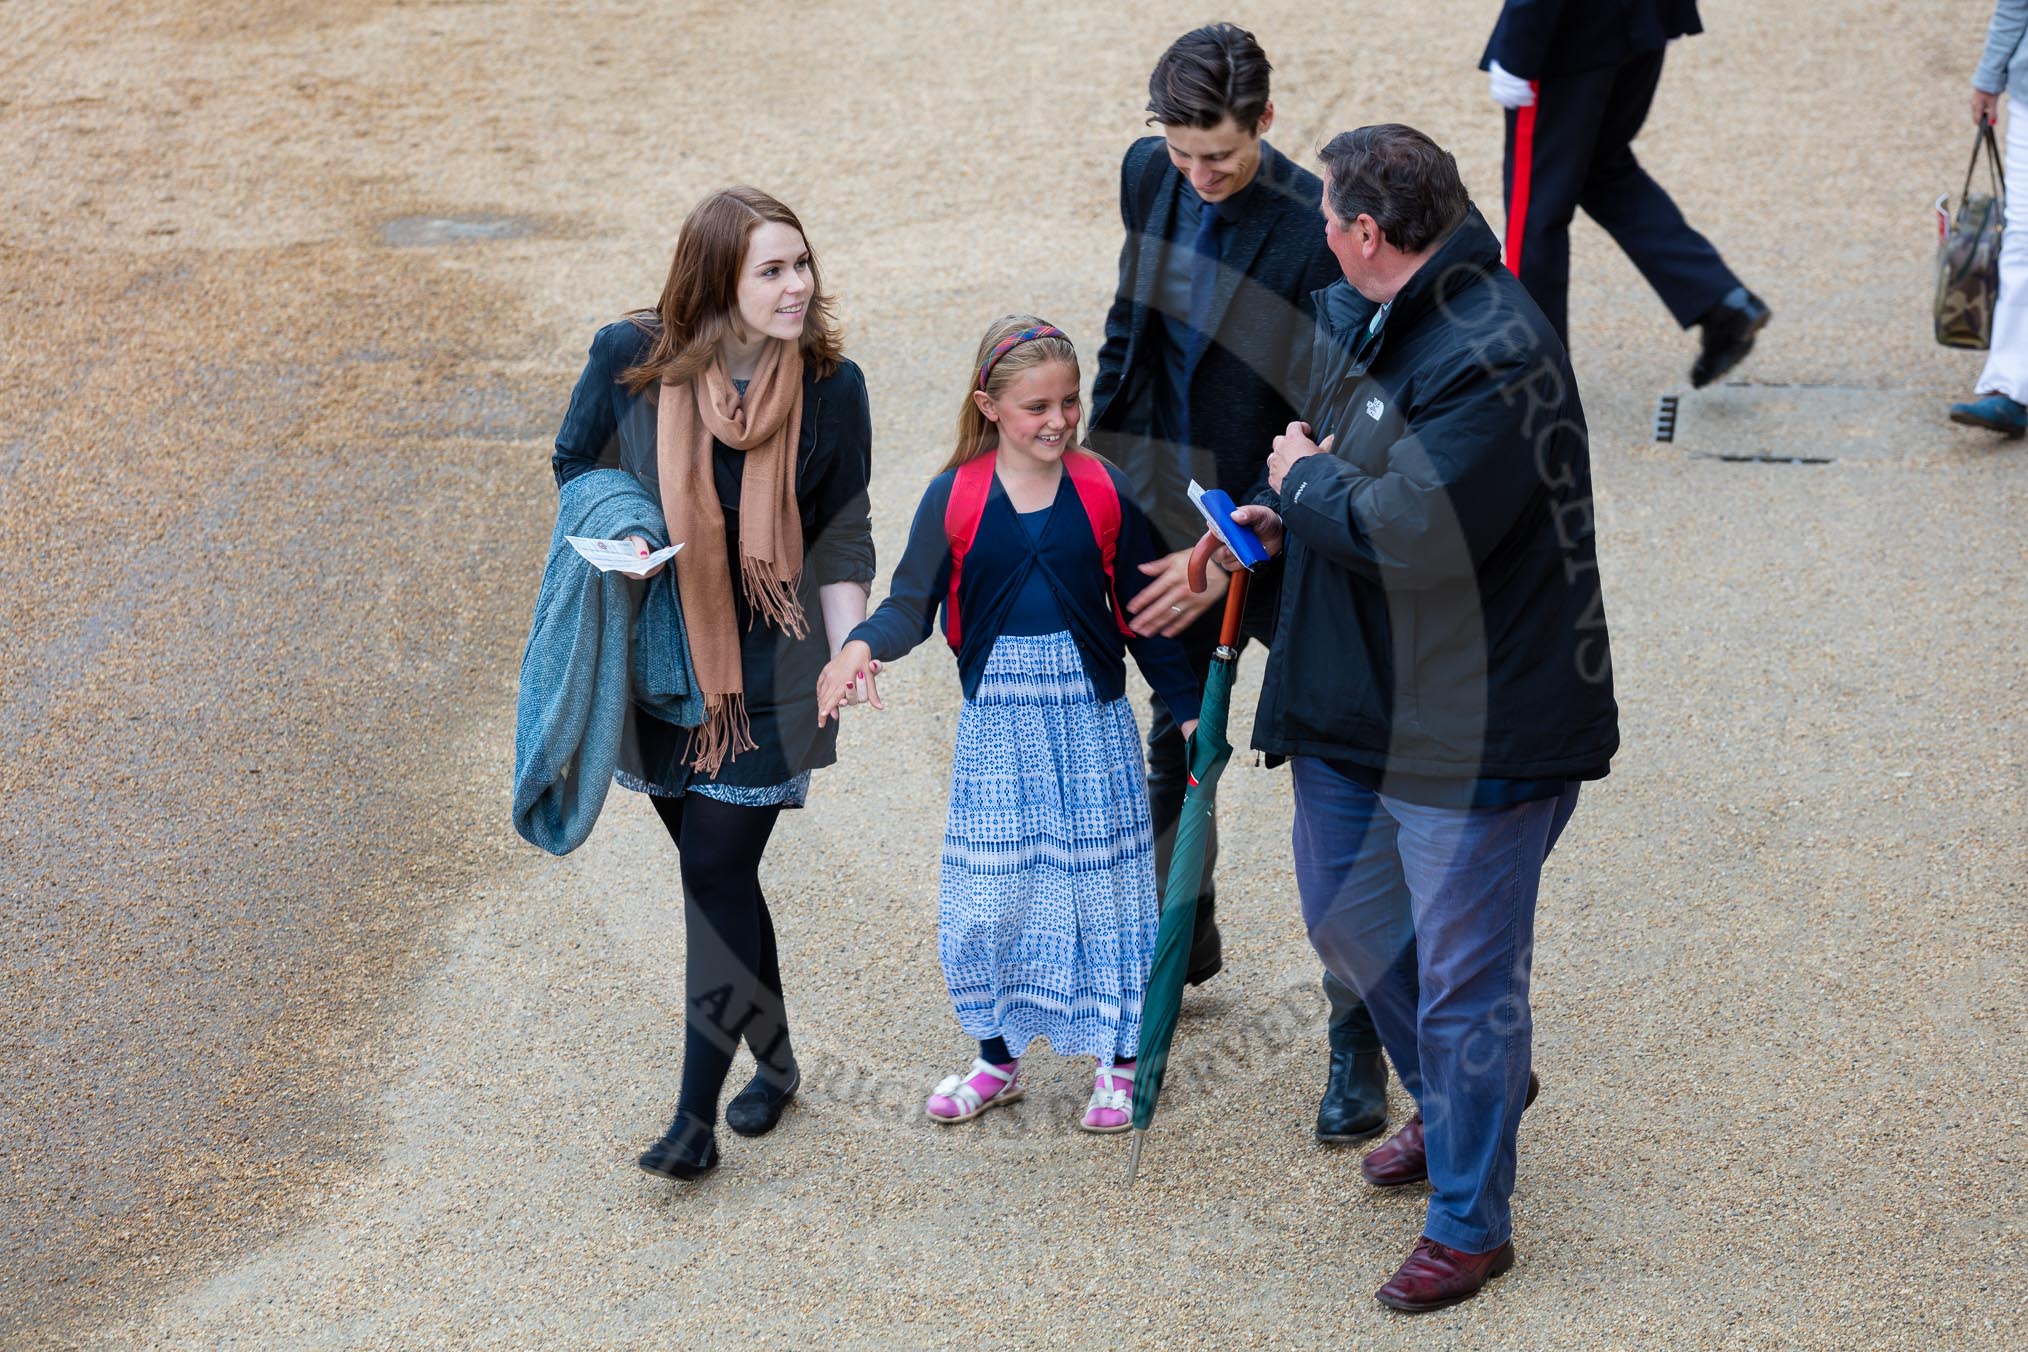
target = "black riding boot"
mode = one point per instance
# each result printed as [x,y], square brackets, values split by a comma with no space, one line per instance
[1354,1105]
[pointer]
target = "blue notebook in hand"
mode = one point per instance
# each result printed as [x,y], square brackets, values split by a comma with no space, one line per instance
[1216,505]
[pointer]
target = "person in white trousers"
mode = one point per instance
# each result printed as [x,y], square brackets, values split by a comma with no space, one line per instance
[2003,385]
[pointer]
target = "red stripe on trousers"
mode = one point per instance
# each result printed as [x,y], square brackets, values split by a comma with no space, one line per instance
[1524,162]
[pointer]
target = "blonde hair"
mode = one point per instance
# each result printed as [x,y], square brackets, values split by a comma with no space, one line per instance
[976,433]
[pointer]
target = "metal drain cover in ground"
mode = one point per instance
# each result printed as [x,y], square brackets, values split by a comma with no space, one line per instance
[410,232]
[1800,424]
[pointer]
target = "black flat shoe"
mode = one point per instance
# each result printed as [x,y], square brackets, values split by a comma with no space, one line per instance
[756,1108]
[687,1150]
[1354,1105]
[1729,328]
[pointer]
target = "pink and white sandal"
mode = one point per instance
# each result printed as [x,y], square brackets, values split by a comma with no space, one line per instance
[957,1099]
[1111,1106]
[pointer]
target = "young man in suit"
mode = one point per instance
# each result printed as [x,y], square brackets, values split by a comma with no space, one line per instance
[1208,332]
[1576,78]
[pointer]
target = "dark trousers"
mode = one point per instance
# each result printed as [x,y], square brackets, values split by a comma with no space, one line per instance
[1168,779]
[1430,912]
[1574,148]
[732,973]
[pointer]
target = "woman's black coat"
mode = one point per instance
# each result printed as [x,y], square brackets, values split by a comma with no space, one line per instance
[607,426]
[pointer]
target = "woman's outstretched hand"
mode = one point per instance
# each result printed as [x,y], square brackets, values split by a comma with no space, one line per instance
[848,678]
[641,551]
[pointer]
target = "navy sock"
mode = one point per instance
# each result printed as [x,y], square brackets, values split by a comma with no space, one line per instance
[994,1051]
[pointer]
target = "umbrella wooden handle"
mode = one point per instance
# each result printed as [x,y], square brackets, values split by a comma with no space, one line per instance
[1235,592]
[1235,609]
[1200,558]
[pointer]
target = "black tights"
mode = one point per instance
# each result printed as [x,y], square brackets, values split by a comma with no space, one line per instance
[732,974]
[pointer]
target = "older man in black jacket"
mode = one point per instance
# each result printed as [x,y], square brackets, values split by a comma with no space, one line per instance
[1207,332]
[1439,678]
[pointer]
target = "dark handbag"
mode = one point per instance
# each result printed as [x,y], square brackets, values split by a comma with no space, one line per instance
[1968,253]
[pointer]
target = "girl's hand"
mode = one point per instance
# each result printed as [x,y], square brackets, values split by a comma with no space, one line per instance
[846,679]
[641,551]
[866,689]
[1187,727]
[1985,107]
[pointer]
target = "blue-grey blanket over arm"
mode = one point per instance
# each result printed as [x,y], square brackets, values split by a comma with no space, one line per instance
[599,642]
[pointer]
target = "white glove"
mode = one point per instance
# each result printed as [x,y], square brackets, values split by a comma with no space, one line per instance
[1509,90]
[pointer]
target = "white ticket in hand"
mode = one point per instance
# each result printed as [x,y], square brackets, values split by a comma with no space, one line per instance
[618,556]
[1196,495]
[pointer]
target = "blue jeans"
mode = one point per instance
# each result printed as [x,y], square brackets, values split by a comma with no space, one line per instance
[1429,913]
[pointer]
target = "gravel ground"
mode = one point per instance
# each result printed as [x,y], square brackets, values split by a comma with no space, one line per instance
[309,1050]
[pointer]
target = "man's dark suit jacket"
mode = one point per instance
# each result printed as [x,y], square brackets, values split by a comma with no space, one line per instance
[1544,39]
[1244,393]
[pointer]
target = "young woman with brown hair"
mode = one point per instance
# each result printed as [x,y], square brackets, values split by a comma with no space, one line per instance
[732,401]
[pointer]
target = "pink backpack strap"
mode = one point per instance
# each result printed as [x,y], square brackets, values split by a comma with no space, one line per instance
[969,488]
[1101,500]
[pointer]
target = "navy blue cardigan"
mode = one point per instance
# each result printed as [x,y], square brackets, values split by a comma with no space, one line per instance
[995,569]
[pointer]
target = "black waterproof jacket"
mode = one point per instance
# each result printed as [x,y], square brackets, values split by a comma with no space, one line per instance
[1440,606]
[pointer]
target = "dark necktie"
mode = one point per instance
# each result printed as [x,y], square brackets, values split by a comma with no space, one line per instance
[1203,282]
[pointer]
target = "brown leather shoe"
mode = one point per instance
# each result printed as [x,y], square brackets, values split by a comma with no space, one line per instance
[1401,1158]
[1404,1158]
[1434,1276]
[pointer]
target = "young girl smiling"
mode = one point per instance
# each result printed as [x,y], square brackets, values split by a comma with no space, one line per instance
[1032,546]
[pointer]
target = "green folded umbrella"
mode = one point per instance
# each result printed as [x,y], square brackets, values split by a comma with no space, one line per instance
[1209,751]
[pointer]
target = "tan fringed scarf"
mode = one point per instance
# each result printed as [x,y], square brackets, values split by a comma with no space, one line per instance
[765,424]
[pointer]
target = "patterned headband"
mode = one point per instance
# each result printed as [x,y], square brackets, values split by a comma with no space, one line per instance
[1012,341]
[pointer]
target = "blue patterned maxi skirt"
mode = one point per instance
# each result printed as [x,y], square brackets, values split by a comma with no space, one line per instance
[1047,909]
